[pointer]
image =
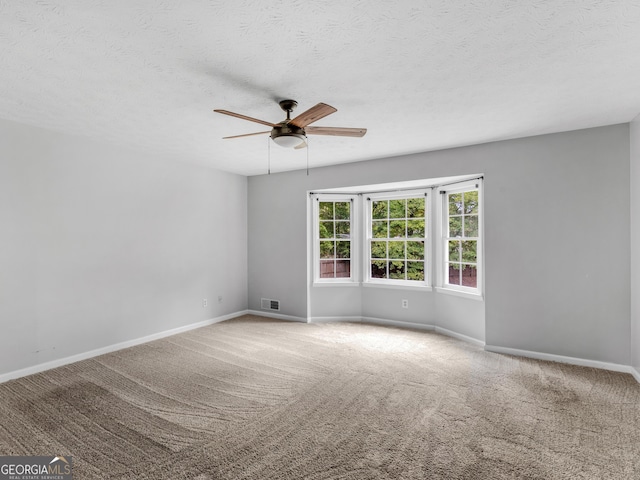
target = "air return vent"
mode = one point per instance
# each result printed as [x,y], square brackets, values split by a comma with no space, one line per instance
[268,304]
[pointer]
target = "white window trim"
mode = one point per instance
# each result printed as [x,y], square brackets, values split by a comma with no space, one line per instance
[400,285]
[367,281]
[441,285]
[316,198]
[436,258]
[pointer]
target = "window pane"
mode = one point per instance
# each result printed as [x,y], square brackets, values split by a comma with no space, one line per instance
[378,249]
[454,250]
[454,273]
[397,228]
[327,249]
[455,204]
[415,250]
[379,209]
[415,207]
[415,271]
[326,211]
[470,276]
[396,270]
[343,210]
[397,237]
[471,226]
[379,228]
[398,208]
[396,250]
[455,226]
[326,229]
[343,229]
[378,269]
[415,228]
[327,269]
[471,202]
[462,236]
[343,268]
[469,251]
[343,249]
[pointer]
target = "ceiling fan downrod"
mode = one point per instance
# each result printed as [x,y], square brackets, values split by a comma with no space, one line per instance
[288,106]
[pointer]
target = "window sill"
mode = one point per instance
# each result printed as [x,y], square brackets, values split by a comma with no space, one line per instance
[458,293]
[336,284]
[397,286]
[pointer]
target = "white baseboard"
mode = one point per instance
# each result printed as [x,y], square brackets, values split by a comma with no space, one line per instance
[278,316]
[335,319]
[398,323]
[459,336]
[636,374]
[583,362]
[41,367]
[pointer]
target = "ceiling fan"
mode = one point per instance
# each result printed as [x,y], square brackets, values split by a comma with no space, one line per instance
[293,132]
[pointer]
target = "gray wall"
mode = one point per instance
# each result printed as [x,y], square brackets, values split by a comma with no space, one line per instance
[557,241]
[635,243]
[101,245]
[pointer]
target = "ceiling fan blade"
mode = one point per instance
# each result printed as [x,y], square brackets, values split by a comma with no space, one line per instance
[302,145]
[336,131]
[246,135]
[321,110]
[244,117]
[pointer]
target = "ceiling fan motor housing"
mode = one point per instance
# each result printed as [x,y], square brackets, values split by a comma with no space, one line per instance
[287,135]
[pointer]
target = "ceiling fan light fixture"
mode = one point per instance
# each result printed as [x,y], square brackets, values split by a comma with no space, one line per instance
[288,136]
[289,140]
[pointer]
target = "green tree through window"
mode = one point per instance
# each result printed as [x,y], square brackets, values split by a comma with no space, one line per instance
[383,238]
[461,237]
[334,237]
[397,238]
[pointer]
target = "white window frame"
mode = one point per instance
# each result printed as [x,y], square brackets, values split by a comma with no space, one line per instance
[368,281]
[354,238]
[443,284]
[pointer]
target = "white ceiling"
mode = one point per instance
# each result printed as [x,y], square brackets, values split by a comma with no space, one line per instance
[420,75]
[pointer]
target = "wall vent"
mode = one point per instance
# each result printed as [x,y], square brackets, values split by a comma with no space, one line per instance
[268,304]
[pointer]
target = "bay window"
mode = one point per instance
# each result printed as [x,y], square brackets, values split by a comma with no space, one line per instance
[405,238]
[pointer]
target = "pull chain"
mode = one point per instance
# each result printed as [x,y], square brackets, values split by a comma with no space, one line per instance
[307,157]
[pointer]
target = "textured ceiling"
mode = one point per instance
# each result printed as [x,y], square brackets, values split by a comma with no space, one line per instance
[420,75]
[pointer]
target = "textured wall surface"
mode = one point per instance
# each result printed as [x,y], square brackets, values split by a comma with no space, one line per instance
[419,75]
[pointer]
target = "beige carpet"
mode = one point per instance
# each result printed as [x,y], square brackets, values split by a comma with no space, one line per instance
[254,398]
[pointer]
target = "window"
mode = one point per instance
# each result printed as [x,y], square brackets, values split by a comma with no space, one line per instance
[397,238]
[335,255]
[461,237]
[384,238]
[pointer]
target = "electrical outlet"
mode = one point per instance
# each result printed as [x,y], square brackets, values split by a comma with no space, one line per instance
[204,302]
[405,303]
[219,298]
